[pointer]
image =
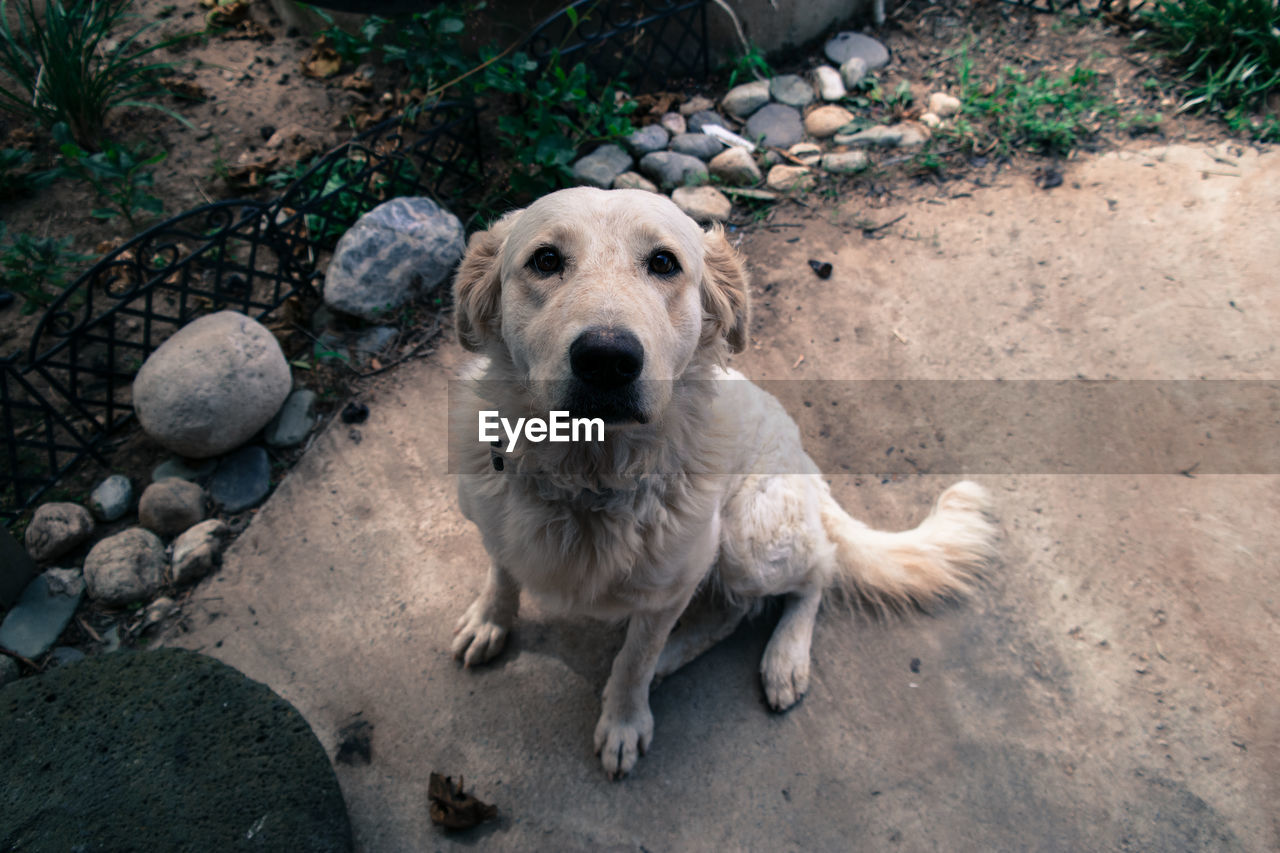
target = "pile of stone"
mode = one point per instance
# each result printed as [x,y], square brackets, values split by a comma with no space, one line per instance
[766,139]
[217,383]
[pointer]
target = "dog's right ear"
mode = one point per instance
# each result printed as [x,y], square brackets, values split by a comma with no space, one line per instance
[477,286]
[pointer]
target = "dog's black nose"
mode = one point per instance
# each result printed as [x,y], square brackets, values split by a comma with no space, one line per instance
[606,358]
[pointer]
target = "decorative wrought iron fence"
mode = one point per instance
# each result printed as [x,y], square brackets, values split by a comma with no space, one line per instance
[646,42]
[74,385]
[71,388]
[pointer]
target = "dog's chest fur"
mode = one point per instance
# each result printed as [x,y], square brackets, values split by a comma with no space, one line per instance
[605,553]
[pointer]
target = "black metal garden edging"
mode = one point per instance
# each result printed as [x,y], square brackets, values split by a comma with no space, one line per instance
[73,387]
[61,399]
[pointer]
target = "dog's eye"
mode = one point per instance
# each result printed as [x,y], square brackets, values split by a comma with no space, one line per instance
[663,262]
[547,260]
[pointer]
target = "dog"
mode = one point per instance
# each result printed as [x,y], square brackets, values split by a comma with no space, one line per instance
[699,501]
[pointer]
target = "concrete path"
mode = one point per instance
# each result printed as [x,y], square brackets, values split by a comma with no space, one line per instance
[1113,688]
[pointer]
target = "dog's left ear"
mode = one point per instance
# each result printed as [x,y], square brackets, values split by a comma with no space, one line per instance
[725,303]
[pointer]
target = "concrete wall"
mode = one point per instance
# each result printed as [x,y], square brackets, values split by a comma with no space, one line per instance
[771,24]
[780,24]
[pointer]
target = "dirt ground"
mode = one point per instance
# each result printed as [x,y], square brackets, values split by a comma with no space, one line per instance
[1111,688]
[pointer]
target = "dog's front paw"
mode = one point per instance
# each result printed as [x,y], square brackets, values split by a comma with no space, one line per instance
[785,673]
[622,737]
[477,638]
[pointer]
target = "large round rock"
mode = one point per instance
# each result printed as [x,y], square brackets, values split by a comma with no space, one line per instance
[402,248]
[126,567]
[212,385]
[162,750]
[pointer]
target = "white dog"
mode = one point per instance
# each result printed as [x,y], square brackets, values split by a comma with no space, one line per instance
[616,305]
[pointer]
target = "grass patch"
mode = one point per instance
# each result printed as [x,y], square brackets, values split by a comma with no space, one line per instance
[1230,52]
[1046,114]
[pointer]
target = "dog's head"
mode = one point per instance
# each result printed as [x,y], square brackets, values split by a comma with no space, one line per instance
[600,299]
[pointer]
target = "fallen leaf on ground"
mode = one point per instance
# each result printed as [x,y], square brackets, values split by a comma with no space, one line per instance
[323,61]
[453,808]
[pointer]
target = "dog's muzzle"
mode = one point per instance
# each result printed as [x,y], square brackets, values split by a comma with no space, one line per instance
[606,364]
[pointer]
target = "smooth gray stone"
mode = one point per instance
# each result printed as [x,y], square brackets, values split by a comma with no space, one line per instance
[792,90]
[653,137]
[697,145]
[111,498]
[292,424]
[600,167]
[184,469]
[702,118]
[242,480]
[34,624]
[844,46]
[775,126]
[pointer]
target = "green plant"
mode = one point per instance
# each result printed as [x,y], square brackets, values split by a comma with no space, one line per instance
[557,112]
[16,177]
[62,65]
[749,65]
[424,44]
[1230,50]
[120,176]
[1047,114]
[37,268]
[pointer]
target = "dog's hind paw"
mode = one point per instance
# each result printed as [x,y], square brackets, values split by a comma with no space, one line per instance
[785,675]
[622,740]
[476,639]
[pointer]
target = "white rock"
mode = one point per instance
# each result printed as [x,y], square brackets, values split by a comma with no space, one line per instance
[728,137]
[844,162]
[57,528]
[830,85]
[735,167]
[212,385]
[826,120]
[674,123]
[634,181]
[401,249]
[741,101]
[906,135]
[930,120]
[806,152]
[125,568]
[852,72]
[943,105]
[704,204]
[783,178]
[198,551]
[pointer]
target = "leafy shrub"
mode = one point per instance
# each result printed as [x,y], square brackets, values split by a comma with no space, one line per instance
[1231,52]
[556,114]
[424,44]
[37,268]
[1047,114]
[62,66]
[17,178]
[120,176]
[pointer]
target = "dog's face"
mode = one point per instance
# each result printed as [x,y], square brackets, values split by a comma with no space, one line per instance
[599,298]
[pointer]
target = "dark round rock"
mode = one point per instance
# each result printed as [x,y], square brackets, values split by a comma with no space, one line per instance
[242,479]
[162,750]
[6,298]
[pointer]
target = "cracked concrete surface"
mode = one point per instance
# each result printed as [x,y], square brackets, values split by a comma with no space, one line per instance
[1112,687]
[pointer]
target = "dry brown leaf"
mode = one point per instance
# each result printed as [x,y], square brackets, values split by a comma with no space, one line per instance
[453,808]
[323,61]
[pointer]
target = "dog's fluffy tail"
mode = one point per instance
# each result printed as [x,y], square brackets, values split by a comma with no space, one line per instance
[939,559]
